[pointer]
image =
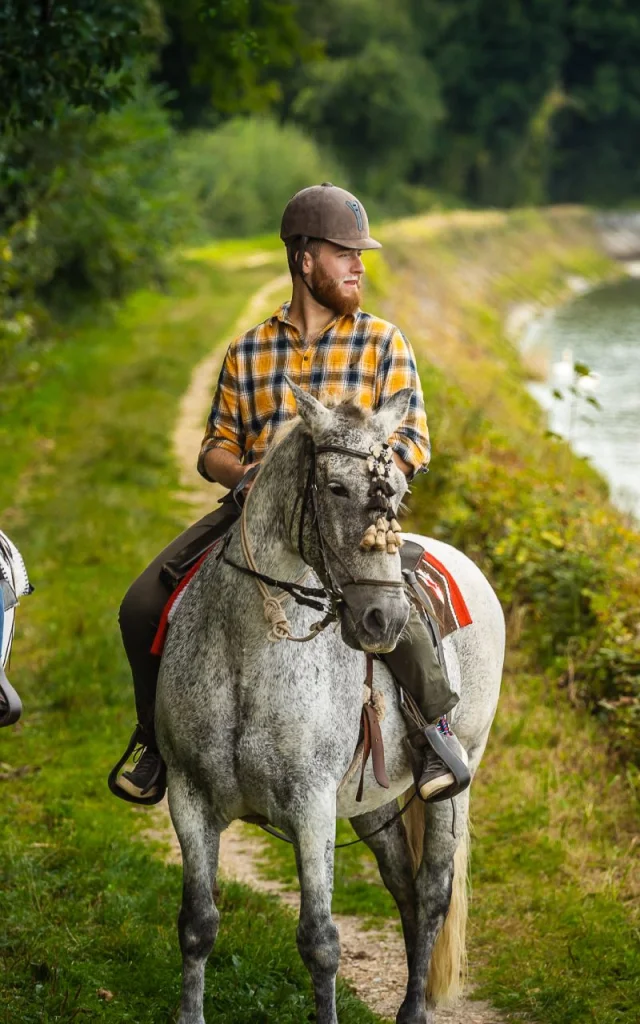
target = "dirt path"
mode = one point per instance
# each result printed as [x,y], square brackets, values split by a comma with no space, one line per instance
[372,962]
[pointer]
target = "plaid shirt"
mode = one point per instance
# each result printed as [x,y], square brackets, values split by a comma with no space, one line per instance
[356,352]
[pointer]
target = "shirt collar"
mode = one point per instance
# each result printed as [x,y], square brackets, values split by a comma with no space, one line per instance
[282,314]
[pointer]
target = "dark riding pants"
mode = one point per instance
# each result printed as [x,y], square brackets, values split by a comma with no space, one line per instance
[413,661]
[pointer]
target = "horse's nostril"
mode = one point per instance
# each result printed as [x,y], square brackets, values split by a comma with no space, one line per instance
[373,621]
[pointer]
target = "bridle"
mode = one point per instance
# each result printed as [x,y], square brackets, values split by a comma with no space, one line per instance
[307,500]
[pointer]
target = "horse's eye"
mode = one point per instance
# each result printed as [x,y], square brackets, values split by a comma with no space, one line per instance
[338,490]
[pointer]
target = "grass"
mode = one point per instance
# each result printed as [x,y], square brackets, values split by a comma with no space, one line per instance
[87,490]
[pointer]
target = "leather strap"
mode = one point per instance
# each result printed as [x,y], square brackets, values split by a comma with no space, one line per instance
[372,739]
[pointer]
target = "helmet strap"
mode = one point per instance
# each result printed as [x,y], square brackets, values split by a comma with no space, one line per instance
[297,267]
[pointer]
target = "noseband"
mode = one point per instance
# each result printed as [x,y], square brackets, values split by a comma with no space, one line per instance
[382,535]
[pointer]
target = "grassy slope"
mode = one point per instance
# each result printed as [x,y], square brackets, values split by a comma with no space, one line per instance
[555,872]
[86,491]
[554,920]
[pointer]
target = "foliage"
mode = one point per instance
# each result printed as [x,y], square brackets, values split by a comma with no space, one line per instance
[227,56]
[93,206]
[372,97]
[378,106]
[242,175]
[500,65]
[59,55]
[571,570]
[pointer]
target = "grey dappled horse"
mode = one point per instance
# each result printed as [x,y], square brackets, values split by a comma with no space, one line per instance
[248,726]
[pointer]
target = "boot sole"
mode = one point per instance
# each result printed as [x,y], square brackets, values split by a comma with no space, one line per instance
[135,791]
[430,789]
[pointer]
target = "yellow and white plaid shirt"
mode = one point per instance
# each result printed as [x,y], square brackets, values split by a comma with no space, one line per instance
[355,353]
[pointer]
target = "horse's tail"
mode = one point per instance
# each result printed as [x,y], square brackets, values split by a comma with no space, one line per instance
[448,967]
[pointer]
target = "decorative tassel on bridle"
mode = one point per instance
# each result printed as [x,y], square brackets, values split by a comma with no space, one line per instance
[384,534]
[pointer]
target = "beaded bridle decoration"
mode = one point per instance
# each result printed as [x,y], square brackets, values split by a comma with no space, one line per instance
[385,533]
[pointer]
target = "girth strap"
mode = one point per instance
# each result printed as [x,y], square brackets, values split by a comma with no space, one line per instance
[372,739]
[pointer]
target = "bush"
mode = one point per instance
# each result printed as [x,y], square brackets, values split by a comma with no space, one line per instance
[563,561]
[243,174]
[91,205]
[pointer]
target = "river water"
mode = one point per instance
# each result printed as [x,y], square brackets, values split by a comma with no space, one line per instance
[600,329]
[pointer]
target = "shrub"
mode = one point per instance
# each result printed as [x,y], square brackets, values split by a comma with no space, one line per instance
[91,205]
[242,174]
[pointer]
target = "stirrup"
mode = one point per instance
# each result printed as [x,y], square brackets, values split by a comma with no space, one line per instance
[13,710]
[112,781]
[455,764]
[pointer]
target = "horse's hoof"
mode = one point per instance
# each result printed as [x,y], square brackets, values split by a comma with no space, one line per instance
[409,1013]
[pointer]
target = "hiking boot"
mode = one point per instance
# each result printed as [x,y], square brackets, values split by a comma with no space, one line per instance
[435,777]
[147,782]
[144,781]
[445,771]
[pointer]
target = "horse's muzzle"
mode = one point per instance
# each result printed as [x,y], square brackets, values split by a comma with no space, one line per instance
[374,622]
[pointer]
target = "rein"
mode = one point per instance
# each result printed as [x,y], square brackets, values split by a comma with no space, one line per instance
[353,842]
[313,597]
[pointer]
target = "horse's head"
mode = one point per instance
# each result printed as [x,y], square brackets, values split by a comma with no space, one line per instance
[350,490]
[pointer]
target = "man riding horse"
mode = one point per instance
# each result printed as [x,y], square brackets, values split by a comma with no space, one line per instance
[324,342]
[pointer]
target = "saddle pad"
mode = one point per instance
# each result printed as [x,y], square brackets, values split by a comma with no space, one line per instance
[157,647]
[436,582]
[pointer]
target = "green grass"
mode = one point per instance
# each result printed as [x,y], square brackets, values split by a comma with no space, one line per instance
[87,491]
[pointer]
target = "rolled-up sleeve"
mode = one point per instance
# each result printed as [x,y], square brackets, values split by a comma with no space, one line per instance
[224,425]
[396,370]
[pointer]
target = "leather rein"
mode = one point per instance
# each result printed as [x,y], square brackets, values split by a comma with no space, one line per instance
[313,597]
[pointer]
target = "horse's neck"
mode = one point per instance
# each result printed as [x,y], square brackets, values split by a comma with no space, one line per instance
[269,513]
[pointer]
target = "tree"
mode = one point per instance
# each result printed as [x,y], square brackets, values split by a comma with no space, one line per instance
[373,97]
[57,55]
[225,57]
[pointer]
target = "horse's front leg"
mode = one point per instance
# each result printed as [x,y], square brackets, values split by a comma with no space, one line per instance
[444,830]
[314,828]
[198,919]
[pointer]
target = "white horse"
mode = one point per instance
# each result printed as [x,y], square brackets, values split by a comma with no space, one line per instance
[14,584]
[250,726]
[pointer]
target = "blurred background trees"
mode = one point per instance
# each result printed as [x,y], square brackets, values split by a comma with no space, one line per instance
[128,127]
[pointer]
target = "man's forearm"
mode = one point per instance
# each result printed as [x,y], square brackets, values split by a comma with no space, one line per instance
[224,467]
[401,464]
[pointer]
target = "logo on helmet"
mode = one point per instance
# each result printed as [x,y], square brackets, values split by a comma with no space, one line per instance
[354,206]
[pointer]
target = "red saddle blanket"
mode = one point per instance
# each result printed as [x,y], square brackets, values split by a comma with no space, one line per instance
[157,647]
[434,587]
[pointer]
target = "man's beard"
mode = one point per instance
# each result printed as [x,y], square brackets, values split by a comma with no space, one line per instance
[326,290]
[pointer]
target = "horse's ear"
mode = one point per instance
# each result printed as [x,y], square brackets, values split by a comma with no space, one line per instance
[314,413]
[391,414]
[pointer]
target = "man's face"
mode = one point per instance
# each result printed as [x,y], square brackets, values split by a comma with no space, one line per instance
[335,275]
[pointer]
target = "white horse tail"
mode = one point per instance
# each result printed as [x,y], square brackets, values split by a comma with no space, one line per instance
[448,967]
